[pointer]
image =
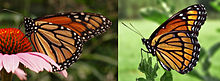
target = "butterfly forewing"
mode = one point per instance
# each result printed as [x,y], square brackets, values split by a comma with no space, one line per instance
[190,19]
[86,25]
[177,50]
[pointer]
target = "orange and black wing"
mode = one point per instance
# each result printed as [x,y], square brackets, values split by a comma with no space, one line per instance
[177,50]
[63,45]
[188,19]
[61,36]
[175,42]
[86,25]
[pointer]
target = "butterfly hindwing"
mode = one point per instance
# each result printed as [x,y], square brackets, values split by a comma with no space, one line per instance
[190,19]
[63,45]
[177,50]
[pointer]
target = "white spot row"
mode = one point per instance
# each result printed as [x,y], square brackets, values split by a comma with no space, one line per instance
[181,14]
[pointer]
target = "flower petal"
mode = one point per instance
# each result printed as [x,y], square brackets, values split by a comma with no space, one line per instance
[27,60]
[10,62]
[41,63]
[64,73]
[21,74]
[1,60]
[36,62]
[47,58]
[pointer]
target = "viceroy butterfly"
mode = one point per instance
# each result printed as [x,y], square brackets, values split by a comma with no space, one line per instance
[175,42]
[62,36]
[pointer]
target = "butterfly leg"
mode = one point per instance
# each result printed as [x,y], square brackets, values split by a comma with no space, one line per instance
[143,51]
[19,27]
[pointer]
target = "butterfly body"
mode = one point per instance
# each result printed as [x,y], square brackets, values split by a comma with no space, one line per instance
[62,36]
[175,42]
[148,46]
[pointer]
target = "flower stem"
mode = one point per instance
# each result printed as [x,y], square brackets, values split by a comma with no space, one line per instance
[5,76]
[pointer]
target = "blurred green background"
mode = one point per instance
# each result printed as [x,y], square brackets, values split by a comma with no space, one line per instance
[146,16]
[99,58]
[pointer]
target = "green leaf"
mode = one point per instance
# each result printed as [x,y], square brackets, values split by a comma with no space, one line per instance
[156,67]
[142,66]
[215,4]
[141,79]
[154,15]
[218,30]
[149,66]
[195,74]
[145,67]
[202,53]
[206,65]
[213,49]
[167,76]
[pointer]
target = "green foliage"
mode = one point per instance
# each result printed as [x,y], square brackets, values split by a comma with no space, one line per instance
[218,30]
[153,14]
[215,4]
[167,76]
[98,61]
[150,72]
[158,15]
[206,55]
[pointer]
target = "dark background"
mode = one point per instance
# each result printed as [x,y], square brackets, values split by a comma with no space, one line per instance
[99,58]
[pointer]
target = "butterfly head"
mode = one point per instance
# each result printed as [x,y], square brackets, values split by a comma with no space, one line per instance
[146,42]
[29,26]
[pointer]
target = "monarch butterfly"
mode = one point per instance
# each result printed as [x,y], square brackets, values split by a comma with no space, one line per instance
[175,42]
[61,36]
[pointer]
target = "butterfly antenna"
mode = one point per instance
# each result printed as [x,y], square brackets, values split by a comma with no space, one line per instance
[19,27]
[12,11]
[134,30]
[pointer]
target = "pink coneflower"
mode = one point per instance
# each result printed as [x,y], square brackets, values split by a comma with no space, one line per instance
[15,52]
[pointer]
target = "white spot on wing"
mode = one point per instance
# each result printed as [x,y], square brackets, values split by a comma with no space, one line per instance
[62,27]
[82,13]
[195,22]
[103,18]
[76,16]
[73,13]
[189,8]
[184,18]
[198,17]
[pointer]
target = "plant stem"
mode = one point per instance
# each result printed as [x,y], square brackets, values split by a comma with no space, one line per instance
[5,76]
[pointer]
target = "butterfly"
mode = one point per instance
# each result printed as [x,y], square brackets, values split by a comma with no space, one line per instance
[61,36]
[175,42]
